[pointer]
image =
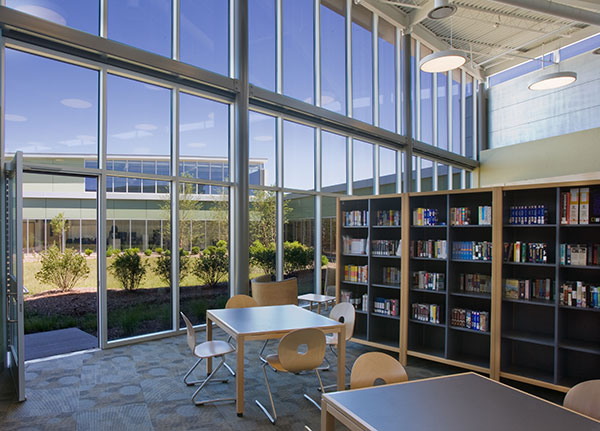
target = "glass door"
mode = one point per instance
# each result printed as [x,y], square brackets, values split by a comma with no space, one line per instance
[13,270]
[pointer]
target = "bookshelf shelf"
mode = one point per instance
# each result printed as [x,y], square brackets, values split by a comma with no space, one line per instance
[580,346]
[542,265]
[470,261]
[513,372]
[485,296]
[567,307]
[422,322]
[386,286]
[470,226]
[436,226]
[386,227]
[355,227]
[577,226]
[361,312]
[379,256]
[355,255]
[473,331]
[438,259]
[586,267]
[531,302]
[385,316]
[530,225]
[528,337]
[439,292]
[355,283]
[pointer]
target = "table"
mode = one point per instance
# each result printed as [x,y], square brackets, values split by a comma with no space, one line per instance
[466,402]
[318,299]
[263,323]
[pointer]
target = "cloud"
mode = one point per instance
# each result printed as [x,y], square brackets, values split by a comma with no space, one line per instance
[145,126]
[14,117]
[263,138]
[195,145]
[80,140]
[34,147]
[76,103]
[132,134]
[42,12]
[199,125]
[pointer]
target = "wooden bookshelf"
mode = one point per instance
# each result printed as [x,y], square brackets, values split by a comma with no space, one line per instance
[536,340]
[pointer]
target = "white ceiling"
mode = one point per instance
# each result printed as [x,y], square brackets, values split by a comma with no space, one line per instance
[495,35]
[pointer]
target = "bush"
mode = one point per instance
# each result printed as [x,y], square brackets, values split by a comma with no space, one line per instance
[88,251]
[296,256]
[148,252]
[135,250]
[324,260]
[158,250]
[213,264]
[195,250]
[163,267]
[263,257]
[63,270]
[129,269]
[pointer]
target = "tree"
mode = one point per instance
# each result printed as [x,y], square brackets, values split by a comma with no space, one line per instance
[63,270]
[129,269]
[213,265]
[163,267]
[60,226]
[263,216]
[189,206]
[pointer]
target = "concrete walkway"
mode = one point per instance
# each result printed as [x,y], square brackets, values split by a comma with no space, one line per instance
[52,343]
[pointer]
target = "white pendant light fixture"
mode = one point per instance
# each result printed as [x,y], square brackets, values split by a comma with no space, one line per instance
[449,59]
[550,81]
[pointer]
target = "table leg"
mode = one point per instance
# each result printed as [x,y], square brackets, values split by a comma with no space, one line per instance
[318,308]
[310,305]
[341,359]
[327,419]
[209,337]
[239,377]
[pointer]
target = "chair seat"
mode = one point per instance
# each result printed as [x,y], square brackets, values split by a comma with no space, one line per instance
[209,349]
[331,339]
[273,360]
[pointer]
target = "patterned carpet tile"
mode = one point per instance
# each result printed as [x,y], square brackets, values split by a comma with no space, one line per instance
[132,417]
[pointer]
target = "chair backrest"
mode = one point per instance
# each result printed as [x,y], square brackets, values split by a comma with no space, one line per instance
[292,359]
[369,367]
[241,301]
[584,398]
[330,280]
[275,292]
[263,278]
[191,332]
[344,312]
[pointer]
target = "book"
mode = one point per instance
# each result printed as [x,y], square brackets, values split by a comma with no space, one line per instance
[574,206]
[564,208]
[595,205]
[584,205]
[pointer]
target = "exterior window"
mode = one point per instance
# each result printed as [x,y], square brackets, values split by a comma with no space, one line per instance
[362,61]
[456,136]
[333,159]
[298,156]
[362,167]
[442,111]
[333,55]
[387,75]
[298,52]
[426,102]
[262,146]
[261,43]
[78,14]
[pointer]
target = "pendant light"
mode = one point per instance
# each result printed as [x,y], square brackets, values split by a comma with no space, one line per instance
[552,80]
[443,61]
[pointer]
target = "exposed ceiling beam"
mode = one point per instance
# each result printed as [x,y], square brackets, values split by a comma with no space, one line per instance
[401,4]
[418,15]
[556,9]
[495,14]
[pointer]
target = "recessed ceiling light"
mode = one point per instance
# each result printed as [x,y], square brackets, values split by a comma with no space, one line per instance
[551,81]
[442,61]
[441,9]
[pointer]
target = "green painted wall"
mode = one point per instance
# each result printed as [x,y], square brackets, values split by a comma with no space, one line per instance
[574,156]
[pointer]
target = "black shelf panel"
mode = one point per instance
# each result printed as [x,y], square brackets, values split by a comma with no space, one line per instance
[422,322]
[386,286]
[360,312]
[471,260]
[592,267]
[529,337]
[546,265]
[472,331]
[386,227]
[436,259]
[443,292]
[471,359]
[568,307]
[427,350]
[467,226]
[380,256]
[542,302]
[532,373]
[355,227]
[354,283]
[385,342]
[385,316]
[530,225]
[472,295]
[579,225]
[355,255]
[435,226]
[580,346]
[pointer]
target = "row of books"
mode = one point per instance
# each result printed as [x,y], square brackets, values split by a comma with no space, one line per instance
[475,283]
[541,288]
[427,312]
[356,273]
[476,320]
[388,218]
[385,306]
[528,214]
[429,280]
[391,275]
[579,254]
[580,294]
[358,302]
[425,217]
[356,218]
[386,247]
[580,206]
[472,250]
[354,245]
[532,252]
[429,248]
[461,216]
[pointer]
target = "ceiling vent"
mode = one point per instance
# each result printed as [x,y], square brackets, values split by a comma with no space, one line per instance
[441,9]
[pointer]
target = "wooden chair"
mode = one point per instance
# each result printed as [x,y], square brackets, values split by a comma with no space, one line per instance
[290,360]
[373,366]
[275,292]
[207,349]
[238,301]
[584,398]
[330,280]
[345,313]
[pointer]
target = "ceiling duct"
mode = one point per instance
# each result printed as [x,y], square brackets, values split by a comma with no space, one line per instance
[556,9]
[441,9]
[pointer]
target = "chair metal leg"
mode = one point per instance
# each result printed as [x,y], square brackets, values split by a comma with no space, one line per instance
[226,364]
[320,388]
[260,354]
[329,365]
[190,372]
[265,411]
[205,381]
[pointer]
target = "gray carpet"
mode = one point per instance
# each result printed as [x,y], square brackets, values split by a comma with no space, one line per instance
[61,341]
[139,387]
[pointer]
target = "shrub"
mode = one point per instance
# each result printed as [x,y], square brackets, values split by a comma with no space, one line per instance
[148,252]
[63,270]
[88,251]
[324,260]
[163,267]
[195,250]
[296,256]
[158,250]
[213,264]
[129,269]
[263,257]
[135,250]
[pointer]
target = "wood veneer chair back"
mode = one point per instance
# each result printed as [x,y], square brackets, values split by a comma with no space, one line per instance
[584,398]
[191,332]
[372,366]
[330,280]
[344,312]
[283,292]
[294,358]
[241,301]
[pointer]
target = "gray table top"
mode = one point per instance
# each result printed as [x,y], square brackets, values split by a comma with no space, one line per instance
[274,318]
[465,402]
[316,298]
